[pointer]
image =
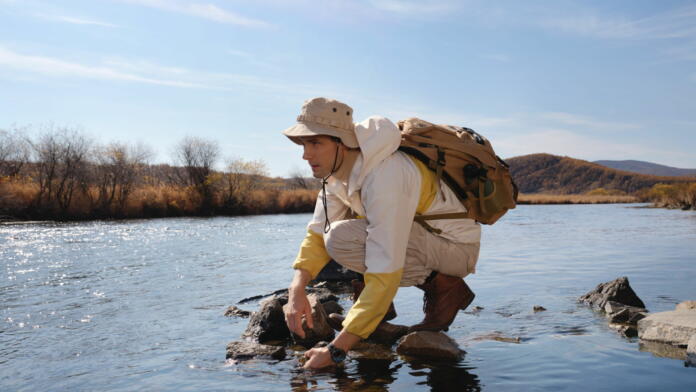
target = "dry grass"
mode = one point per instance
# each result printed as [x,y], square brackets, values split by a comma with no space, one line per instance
[538,198]
[18,197]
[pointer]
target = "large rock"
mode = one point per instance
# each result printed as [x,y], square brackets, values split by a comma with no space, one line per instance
[691,352]
[675,327]
[428,344]
[242,351]
[268,324]
[686,305]
[334,271]
[321,330]
[618,290]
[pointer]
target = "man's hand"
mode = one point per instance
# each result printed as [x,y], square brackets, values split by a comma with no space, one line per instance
[298,305]
[318,358]
[298,308]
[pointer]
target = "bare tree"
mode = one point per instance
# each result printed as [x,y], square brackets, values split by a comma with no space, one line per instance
[198,156]
[61,158]
[241,177]
[301,179]
[118,167]
[14,152]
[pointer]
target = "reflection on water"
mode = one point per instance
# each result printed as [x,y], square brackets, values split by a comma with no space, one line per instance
[139,305]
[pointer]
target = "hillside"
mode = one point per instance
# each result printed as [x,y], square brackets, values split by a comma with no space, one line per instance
[649,168]
[546,173]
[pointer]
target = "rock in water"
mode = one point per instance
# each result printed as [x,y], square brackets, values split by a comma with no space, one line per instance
[617,290]
[336,272]
[691,352]
[686,305]
[268,324]
[234,311]
[675,327]
[428,344]
[242,351]
[321,329]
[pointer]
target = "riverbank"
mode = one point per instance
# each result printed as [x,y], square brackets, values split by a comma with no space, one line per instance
[539,198]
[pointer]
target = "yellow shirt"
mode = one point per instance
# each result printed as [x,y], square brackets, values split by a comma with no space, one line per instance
[380,288]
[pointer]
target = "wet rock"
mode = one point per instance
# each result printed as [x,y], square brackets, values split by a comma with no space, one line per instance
[675,327]
[691,352]
[538,308]
[242,351]
[369,350]
[618,290]
[321,330]
[385,333]
[686,305]
[268,324]
[335,272]
[234,311]
[628,331]
[332,307]
[428,344]
[662,350]
[499,337]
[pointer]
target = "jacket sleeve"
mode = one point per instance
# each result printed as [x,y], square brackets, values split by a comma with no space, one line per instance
[390,196]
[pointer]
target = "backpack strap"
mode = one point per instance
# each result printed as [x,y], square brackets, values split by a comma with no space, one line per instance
[422,219]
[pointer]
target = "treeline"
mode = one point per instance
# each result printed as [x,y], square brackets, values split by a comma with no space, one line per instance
[551,174]
[63,174]
[681,195]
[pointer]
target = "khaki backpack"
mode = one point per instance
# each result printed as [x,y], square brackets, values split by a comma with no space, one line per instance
[467,163]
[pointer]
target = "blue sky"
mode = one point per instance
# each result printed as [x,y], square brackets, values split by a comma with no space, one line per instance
[587,79]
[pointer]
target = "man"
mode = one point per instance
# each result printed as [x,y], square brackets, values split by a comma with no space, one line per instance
[364,220]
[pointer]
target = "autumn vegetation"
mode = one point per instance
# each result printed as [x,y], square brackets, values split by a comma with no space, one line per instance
[62,174]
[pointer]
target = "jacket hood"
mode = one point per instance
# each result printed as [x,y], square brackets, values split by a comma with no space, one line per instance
[378,138]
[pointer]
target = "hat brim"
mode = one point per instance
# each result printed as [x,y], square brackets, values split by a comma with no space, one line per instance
[303,129]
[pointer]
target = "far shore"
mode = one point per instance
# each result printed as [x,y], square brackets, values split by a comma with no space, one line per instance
[540,198]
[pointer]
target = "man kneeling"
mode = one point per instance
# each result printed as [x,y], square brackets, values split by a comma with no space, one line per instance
[364,220]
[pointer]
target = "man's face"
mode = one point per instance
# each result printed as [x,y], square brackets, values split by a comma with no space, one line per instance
[320,152]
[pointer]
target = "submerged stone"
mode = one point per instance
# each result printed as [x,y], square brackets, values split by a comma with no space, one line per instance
[538,308]
[428,344]
[243,351]
[234,311]
[269,322]
[691,352]
[674,327]
[686,305]
[618,290]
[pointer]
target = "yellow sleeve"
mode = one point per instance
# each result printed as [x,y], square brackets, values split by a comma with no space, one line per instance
[373,303]
[312,256]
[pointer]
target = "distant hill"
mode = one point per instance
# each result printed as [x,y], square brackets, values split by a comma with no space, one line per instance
[546,173]
[650,168]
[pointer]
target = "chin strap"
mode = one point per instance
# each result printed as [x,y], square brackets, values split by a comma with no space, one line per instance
[327,224]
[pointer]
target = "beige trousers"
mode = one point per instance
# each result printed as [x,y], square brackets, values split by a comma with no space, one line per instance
[425,252]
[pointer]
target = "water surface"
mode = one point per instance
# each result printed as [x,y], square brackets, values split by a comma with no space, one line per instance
[138,305]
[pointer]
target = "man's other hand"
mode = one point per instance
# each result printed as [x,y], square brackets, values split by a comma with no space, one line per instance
[298,308]
[318,358]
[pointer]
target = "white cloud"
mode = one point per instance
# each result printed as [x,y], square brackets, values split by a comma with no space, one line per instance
[140,71]
[73,20]
[413,7]
[56,67]
[206,11]
[675,23]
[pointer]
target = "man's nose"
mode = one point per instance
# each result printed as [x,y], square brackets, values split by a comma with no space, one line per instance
[305,153]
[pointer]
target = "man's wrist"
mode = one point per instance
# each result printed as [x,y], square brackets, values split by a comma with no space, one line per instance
[338,355]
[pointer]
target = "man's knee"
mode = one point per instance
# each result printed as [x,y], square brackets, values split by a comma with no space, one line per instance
[345,236]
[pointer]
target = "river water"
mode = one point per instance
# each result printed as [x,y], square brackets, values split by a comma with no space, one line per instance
[138,305]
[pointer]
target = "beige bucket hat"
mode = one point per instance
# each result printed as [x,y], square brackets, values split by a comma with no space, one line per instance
[324,116]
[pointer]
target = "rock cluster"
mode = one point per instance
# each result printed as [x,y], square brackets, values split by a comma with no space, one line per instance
[620,303]
[428,344]
[671,334]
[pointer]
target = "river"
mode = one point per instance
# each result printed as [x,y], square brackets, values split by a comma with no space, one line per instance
[138,305]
